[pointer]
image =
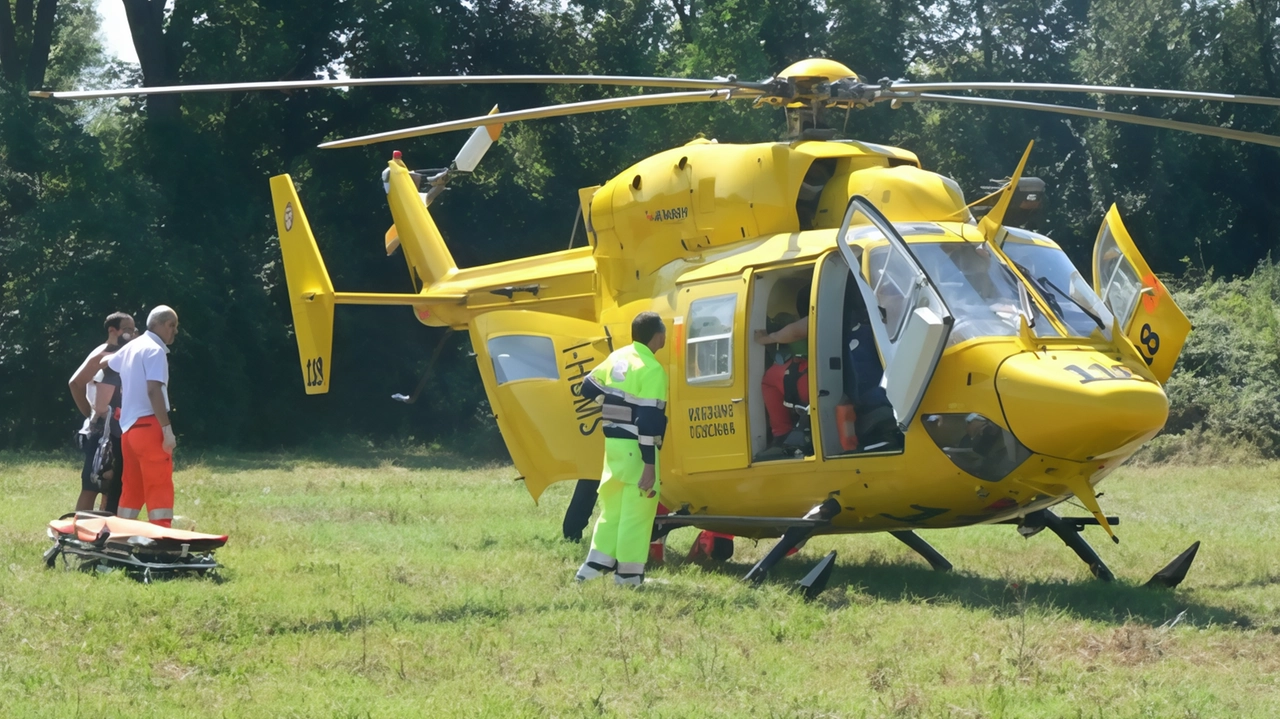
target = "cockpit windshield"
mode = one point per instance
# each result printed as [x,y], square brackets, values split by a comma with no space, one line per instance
[1060,283]
[984,296]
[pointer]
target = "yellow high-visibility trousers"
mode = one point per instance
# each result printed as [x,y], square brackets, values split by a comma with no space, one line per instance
[626,514]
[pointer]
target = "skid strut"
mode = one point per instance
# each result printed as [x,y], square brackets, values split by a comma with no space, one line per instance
[924,549]
[792,537]
[1069,532]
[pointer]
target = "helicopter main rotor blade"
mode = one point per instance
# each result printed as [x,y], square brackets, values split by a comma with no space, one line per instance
[1192,127]
[537,113]
[1087,89]
[633,81]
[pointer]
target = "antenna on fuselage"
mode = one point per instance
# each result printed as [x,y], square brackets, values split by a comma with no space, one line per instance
[993,220]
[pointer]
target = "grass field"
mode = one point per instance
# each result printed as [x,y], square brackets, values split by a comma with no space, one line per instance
[406,584]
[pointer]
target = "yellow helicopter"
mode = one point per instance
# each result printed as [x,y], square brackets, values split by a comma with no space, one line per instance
[951,370]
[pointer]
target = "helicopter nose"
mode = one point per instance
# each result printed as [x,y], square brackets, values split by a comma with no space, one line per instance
[1078,405]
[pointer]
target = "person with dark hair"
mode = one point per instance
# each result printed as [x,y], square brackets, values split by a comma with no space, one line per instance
[80,384]
[632,386]
[84,386]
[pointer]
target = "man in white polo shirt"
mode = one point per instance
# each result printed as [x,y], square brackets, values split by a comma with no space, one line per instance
[148,439]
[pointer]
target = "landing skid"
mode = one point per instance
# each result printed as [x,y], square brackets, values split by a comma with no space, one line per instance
[1176,571]
[1068,530]
[797,530]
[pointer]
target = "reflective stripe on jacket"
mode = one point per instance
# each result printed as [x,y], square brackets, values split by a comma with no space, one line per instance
[633,386]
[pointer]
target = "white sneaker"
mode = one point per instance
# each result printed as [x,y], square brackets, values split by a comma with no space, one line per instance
[633,580]
[587,572]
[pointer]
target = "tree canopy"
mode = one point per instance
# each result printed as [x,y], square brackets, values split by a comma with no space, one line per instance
[128,204]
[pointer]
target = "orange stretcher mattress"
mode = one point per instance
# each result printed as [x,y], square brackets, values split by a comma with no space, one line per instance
[90,529]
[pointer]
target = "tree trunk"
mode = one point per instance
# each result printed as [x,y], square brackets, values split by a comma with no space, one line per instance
[8,47]
[146,26]
[985,35]
[22,15]
[686,19]
[41,43]
[1263,19]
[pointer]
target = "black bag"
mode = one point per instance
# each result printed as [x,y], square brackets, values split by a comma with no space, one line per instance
[103,462]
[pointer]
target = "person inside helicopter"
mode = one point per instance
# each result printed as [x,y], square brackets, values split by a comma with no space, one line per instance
[785,385]
[981,274]
[876,428]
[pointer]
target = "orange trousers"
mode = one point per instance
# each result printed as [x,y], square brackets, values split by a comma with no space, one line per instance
[775,408]
[148,474]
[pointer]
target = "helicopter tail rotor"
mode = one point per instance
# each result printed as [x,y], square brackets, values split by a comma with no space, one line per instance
[464,163]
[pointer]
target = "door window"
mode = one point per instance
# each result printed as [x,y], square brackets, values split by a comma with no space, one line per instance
[894,280]
[709,351]
[1118,282]
[913,321]
[523,357]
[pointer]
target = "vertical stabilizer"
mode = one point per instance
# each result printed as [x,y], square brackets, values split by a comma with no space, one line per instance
[418,234]
[311,293]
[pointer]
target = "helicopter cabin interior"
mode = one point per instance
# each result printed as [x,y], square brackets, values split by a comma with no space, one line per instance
[836,351]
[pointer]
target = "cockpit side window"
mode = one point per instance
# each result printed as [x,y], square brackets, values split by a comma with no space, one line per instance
[1116,277]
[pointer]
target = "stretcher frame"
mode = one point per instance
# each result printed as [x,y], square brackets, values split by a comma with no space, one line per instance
[143,561]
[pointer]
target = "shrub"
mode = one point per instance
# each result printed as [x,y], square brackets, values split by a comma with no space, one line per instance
[1224,394]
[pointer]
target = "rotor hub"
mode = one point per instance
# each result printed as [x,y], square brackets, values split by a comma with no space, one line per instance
[818,68]
[808,83]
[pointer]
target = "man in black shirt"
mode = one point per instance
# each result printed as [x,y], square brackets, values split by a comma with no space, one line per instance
[105,460]
[96,389]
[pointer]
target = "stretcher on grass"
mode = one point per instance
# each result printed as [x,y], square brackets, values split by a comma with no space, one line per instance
[142,550]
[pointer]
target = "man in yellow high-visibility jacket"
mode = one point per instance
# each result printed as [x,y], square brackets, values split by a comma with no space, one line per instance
[633,388]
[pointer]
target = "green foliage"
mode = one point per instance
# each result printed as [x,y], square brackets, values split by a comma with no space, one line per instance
[124,205]
[1224,392]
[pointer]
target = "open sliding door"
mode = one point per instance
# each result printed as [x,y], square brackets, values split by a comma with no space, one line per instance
[908,316]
